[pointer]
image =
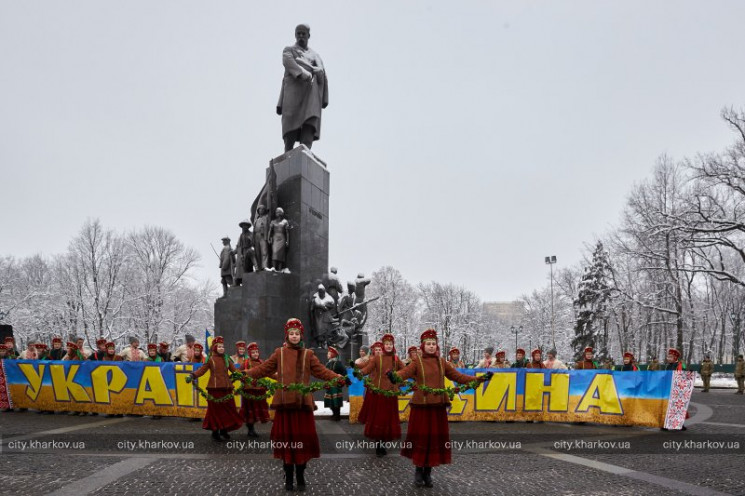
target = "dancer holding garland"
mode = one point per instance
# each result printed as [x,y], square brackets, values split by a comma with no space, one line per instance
[376,349]
[294,427]
[382,423]
[222,415]
[428,436]
[253,410]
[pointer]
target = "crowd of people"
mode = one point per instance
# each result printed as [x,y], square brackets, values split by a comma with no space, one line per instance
[292,366]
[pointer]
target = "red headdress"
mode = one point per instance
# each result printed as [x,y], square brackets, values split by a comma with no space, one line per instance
[72,345]
[376,344]
[411,348]
[163,344]
[198,347]
[452,351]
[673,351]
[238,344]
[100,341]
[501,353]
[56,340]
[152,346]
[294,324]
[389,337]
[41,346]
[217,340]
[589,350]
[520,350]
[333,352]
[535,352]
[427,335]
[628,354]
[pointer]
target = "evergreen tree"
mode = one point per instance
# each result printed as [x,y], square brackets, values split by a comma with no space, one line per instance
[591,328]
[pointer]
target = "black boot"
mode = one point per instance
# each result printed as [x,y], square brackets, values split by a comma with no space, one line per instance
[427,473]
[224,434]
[289,469]
[251,431]
[380,450]
[419,477]
[216,436]
[300,469]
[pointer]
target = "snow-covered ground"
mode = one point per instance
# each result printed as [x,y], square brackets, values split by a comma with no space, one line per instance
[718,381]
[326,412]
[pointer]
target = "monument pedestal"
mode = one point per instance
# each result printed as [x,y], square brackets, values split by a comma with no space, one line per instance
[258,309]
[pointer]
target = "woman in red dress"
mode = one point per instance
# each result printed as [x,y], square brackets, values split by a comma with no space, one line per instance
[428,436]
[222,416]
[253,411]
[294,427]
[382,423]
[376,349]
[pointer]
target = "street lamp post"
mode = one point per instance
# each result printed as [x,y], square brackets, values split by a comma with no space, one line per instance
[551,261]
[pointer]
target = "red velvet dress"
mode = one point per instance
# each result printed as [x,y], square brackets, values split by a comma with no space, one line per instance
[254,411]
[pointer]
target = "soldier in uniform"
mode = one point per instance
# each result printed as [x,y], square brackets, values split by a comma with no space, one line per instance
[245,254]
[520,361]
[226,265]
[334,397]
[707,368]
[654,365]
[587,362]
[740,374]
[261,238]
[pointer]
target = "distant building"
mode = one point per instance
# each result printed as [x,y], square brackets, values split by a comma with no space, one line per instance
[506,312]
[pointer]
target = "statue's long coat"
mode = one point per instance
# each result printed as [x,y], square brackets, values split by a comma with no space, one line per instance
[301,101]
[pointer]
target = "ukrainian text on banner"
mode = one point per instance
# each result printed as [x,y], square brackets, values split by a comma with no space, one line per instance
[144,388]
[653,399]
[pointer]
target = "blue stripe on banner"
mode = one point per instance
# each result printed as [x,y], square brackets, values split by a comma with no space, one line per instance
[641,384]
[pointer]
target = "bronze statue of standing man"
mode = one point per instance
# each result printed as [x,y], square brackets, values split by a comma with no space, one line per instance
[304,92]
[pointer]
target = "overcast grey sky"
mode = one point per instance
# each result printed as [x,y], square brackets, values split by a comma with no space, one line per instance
[465,140]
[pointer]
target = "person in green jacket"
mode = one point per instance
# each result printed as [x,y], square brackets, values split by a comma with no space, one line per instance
[334,398]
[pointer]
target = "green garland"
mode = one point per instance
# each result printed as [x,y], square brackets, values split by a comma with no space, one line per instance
[413,386]
[270,386]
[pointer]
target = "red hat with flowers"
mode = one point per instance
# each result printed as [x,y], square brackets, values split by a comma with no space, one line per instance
[519,350]
[536,351]
[673,351]
[333,351]
[198,347]
[453,351]
[152,346]
[72,345]
[628,354]
[294,323]
[589,350]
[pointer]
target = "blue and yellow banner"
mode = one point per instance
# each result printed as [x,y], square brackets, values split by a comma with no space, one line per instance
[653,399]
[601,396]
[145,388]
